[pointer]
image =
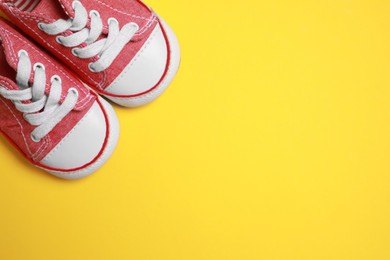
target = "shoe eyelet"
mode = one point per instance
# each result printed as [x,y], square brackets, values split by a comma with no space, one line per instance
[34,139]
[111,19]
[94,12]
[40,26]
[91,68]
[135,25]
[55,78]
[22,52]
[58,40]
[38,65]
[74,52]
[74,91]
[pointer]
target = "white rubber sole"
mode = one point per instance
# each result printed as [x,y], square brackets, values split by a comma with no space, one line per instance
[106,154]
[172,70]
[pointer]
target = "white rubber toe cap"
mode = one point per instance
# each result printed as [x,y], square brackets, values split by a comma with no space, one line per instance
[82,144]
[145,70]
[171,70]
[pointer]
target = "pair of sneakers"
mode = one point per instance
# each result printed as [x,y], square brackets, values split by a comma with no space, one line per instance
[50,109]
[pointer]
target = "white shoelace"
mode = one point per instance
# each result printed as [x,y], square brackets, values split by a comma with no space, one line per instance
[107,48]
[43,111]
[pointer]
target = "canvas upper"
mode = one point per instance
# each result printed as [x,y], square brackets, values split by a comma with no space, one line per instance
[79,138]
[144,64]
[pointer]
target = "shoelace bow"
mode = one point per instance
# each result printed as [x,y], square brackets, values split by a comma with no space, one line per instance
[43,111]
[107,48]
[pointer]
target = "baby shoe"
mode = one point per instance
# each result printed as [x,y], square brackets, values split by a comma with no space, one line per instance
[48,114]
[120,48]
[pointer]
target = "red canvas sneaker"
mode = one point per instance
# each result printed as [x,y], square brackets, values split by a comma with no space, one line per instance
[122,49]
[55,121]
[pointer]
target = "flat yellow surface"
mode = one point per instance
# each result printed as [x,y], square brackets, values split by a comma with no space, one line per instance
[271,143]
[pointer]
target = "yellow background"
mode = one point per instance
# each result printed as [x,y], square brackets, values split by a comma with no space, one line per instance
[271,143]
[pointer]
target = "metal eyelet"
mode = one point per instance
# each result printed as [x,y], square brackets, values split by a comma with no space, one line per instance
[74,91]
[38,65]
[94,12]
[55,78]
[112,20]
[40,26]
[74,52]
[58,40]
[34,139]
[90,67]
[22,52]
[135,25]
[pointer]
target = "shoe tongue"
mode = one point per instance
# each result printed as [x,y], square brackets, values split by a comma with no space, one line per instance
[52,9]
[8,54]
[7,72]
[24,5]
